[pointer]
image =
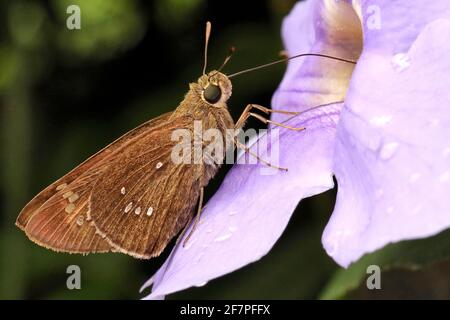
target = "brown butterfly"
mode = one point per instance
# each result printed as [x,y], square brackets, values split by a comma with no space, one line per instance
[131,197]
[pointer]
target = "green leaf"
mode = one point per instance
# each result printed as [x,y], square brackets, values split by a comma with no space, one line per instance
[413,255]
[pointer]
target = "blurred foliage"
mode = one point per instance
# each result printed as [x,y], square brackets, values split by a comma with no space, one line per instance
[108,27]
[174,15]
[64,94]
[429,282]
[409,255]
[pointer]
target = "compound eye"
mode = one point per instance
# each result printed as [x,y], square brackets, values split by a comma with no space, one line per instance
[212,93]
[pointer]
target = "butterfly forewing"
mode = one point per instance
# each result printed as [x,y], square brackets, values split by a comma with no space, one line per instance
[142,201]
[57,217]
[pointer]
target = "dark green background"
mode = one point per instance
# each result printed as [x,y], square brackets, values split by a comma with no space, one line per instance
[65,94]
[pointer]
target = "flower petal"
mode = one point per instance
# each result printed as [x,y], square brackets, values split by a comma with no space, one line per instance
[326,27]
[247,215]
[392,26]
[392,158]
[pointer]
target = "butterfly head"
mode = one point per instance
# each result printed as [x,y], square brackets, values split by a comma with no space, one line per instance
[215,88]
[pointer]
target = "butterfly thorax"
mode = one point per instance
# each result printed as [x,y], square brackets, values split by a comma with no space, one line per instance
[210,115]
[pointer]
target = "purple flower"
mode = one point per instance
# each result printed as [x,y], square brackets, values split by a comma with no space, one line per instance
[383,131]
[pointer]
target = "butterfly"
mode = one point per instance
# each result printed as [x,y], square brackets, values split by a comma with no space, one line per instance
[131,197]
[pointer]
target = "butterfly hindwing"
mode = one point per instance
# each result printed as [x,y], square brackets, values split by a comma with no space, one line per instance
[60,223]
[57,217]
[142,202]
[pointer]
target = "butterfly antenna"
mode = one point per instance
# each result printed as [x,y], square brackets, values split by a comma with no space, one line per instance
[227,58]
[290,58]
[207,35]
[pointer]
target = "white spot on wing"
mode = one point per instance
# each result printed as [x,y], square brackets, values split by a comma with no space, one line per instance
[128,207]
[74,197]
[61,186]
[80,220]
[67,194]
[70,207]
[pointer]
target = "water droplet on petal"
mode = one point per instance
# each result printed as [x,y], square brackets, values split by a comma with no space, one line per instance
[381,120]
[414,177]
[434,122]
[373,142]
[446,152]
[388,150]
[400,62]
[379,193]
[444,177]
[223,238]
[199,258]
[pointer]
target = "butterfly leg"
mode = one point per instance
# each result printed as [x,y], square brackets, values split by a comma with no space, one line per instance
[197,219]
[246,114]
[247,150]
[266,121]
[268,110]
